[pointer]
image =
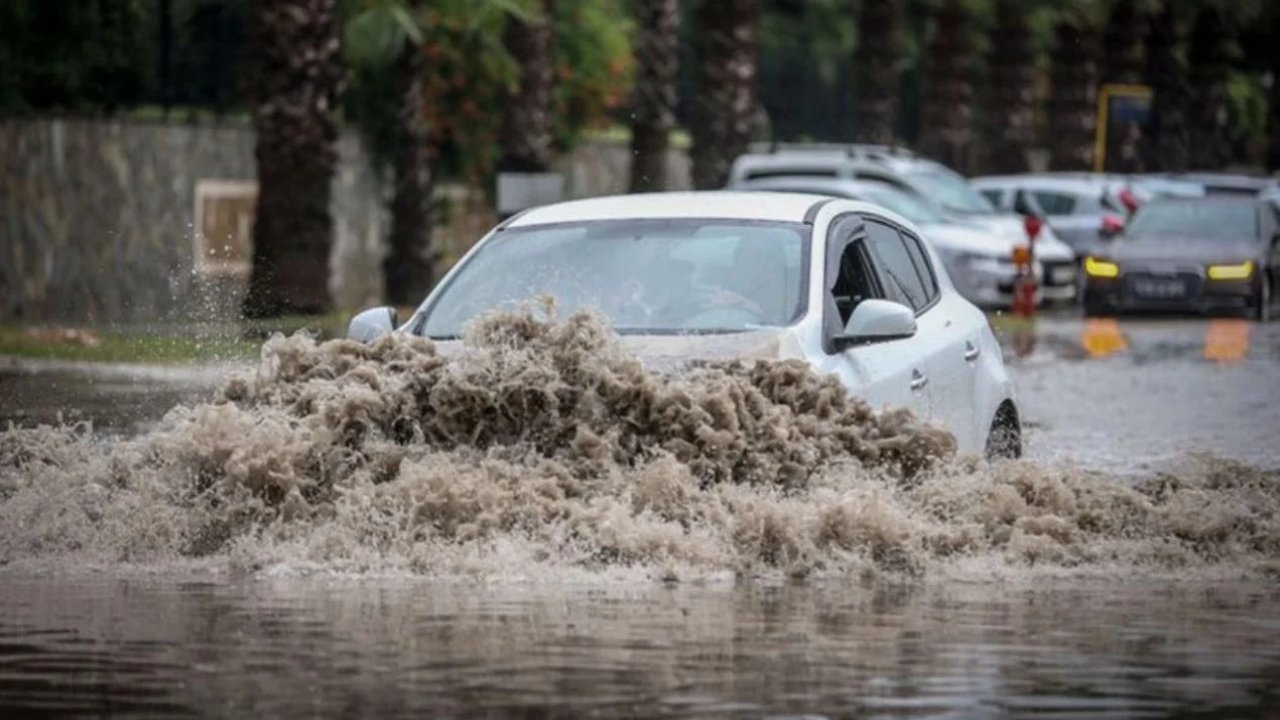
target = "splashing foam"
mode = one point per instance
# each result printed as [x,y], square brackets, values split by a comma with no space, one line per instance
[544,446]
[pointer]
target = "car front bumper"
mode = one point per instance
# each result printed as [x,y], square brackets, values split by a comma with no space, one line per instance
[1202,295]
[990,284]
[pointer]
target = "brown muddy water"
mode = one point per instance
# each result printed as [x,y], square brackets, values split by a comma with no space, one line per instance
[537,526]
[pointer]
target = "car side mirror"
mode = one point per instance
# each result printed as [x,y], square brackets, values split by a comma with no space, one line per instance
[877,321]
[372,324]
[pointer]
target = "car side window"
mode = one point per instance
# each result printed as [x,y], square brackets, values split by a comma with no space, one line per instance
[1055,203]
[900,279]
[850,277]
[923,267]
[995,195]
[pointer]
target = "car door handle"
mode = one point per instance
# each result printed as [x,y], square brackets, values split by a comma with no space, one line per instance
[918,380]
[971,352]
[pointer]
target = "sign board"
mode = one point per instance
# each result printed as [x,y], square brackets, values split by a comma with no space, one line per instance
[521,191]
[223,238]
[1123,110]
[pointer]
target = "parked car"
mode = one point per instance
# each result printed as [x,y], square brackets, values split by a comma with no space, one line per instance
[944,190]
[979,262]
[846,286]
[1199,255]
[1078,206]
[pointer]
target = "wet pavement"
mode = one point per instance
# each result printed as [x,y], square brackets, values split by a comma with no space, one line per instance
[1125,396]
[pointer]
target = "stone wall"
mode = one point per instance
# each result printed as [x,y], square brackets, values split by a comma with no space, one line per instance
[96,217]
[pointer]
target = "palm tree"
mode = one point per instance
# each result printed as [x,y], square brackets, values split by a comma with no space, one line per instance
[385,39]
[527,133]
[946,131]
[1122,64]
[1273,99]
[876,66]
[1167,145]
[299,76]
[654,99]
[1072,106]
[725,112]
[1210,148]
[1010,124]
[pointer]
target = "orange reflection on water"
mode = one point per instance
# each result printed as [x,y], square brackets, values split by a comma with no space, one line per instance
[1227,340]
[1102,337]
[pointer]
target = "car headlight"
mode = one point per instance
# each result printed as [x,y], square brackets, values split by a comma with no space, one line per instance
[1093,267]
[1239,271]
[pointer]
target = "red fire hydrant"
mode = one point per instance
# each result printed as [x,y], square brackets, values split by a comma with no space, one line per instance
[1024,257]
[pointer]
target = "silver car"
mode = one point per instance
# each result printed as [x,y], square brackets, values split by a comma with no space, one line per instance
[946,193]
[980,262]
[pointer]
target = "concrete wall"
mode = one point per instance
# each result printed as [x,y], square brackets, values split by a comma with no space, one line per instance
[96,217]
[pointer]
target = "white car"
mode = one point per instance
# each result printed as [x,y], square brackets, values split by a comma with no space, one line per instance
[978,258]
[847,286]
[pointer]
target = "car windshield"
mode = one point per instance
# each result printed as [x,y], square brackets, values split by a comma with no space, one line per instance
[909,207]
[644,276]
[951,191]
[1218,220]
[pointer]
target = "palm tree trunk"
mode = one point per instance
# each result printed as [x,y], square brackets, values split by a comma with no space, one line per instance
[654,101]
[946,132]
[1168,147]
[1072,108]
[1122,64]
[876,72]
[1210,148]
[299,76]
[1010,122]
[526,124]
[409,267]
[1273,100]
[725,113]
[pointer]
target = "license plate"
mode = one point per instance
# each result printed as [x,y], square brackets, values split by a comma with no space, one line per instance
[1062,275]
[1160,289]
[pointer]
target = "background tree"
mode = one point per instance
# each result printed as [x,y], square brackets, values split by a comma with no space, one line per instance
[299,76]
[725,113]
[1210,147]
[654,98]
[385,41]
[1122,64]
[946,108]
[1167,146]
[1273,96]
[1009,125]
[527,132]
[1072,106]
[876,65]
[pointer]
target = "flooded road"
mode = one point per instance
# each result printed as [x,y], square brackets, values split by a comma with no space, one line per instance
[406,648]
[1064,611]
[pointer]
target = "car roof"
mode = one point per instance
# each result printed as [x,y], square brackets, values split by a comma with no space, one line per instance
[816,184]
[1067,182]
[825,162]
[711,204]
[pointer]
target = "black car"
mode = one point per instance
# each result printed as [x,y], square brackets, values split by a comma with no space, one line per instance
[1189,254]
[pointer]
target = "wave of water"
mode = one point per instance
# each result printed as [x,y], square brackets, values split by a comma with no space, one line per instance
[544,447]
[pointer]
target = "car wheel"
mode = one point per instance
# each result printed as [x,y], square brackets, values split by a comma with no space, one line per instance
[1004,440]
[1262,313]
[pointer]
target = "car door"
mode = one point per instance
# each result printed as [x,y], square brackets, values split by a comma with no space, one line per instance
[889,373]
[946,347]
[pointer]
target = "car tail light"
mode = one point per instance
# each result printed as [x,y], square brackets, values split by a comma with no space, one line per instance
[1128,199]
